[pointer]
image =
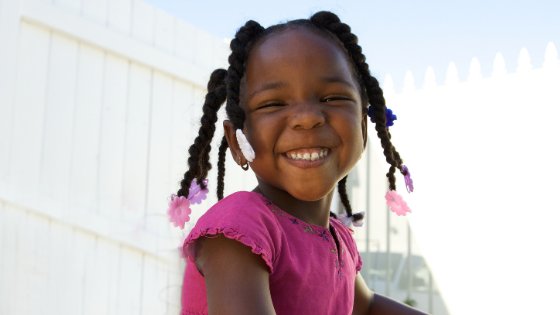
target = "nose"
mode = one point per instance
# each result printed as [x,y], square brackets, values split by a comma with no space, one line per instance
[307,116]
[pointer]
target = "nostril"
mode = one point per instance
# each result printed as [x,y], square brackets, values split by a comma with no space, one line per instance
[307,117]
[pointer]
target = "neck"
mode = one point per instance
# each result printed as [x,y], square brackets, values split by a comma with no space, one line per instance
[313,212]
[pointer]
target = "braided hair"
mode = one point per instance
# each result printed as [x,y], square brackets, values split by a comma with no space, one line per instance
[224,86]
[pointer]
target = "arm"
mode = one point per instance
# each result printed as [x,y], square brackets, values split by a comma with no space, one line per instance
[236,279]
[366,303]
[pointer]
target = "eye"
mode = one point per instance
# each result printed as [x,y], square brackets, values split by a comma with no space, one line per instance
[270,105]
[335,98]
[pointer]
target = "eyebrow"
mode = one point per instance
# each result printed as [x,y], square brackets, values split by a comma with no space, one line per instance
[268,86]
[337,79]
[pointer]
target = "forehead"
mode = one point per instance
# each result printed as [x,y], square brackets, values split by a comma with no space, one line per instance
[306,51]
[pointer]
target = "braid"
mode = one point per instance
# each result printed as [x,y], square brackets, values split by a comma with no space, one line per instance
[346,202]
[344,196]
[331,23]
[199,152]
[223,86]
[240,47]
[221,168]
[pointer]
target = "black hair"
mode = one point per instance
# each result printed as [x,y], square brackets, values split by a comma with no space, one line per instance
[224,86]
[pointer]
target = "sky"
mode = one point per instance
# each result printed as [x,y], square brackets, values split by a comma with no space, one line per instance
[404,35]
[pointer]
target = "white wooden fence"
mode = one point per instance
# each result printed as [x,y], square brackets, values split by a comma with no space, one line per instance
[99,100]
[483,152]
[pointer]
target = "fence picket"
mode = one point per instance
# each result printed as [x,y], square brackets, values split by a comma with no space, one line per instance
[130,282]
[551,56]
[9,31]
[85,142]
[112,137]
[143,21]
[159,172]
[451,74]
[524,61]
[429,79]
[29,110]
[59,121]
[96,10]
[475,70]
[164,31]
[499,68]
[136,145]
[119,17]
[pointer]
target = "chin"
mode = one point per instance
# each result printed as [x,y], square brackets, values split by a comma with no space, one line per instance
[306,194]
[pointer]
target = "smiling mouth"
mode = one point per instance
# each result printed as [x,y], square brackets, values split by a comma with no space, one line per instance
[310,154]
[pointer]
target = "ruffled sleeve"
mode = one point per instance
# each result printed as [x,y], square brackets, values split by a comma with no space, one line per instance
[242,217]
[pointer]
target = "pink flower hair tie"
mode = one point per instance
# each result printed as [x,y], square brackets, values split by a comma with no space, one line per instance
[180,207]
[396,203]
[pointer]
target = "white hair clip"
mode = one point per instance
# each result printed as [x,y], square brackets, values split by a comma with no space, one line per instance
[245,146]
[352,220]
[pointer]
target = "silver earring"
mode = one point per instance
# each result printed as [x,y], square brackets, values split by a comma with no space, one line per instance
[243,166]
[245,146]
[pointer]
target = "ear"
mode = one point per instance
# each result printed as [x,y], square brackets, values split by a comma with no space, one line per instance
[229,132]
[364,128]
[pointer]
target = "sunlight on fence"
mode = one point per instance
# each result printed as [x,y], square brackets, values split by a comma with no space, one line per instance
[483,157]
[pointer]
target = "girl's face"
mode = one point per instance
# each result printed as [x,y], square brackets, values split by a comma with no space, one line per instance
[304,115]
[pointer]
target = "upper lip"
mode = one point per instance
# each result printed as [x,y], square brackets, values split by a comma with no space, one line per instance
[301,141]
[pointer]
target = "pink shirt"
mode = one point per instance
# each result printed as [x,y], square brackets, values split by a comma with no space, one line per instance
[307,273]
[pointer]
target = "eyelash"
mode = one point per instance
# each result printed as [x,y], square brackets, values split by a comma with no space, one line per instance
[323,100]
[335,98]
[270,105]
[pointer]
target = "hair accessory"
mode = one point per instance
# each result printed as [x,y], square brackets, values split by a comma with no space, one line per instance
[351,220]
[180,207]
[389,116]
[407,180]
[396,203]
[245,146]
[196,193]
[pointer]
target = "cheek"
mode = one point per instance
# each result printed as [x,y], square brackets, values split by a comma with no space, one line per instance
[262,132]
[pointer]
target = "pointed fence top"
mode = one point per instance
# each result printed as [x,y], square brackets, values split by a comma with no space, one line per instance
[550,56]
[409,85]
[429,78]
[524,61]
[499,66]
[475,70]
[452,74]
[388,85]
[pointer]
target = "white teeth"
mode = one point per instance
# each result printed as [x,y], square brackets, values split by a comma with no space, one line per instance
[313,156]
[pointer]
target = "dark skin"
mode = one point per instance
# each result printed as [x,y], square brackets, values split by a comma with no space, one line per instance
[306,102]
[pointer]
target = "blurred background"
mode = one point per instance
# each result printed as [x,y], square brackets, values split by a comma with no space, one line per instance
[100,99]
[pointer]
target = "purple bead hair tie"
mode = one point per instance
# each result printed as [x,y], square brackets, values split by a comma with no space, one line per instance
[407,179]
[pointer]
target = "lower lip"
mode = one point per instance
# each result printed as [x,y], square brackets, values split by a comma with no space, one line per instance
[306,163]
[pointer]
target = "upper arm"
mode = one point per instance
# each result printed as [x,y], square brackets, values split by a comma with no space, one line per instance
[365,303]
[362,296]
[237,280]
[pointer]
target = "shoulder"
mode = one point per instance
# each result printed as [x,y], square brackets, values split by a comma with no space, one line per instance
[239,208]
[243,217]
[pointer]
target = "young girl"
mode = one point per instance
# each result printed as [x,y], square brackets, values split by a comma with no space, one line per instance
[297,97]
